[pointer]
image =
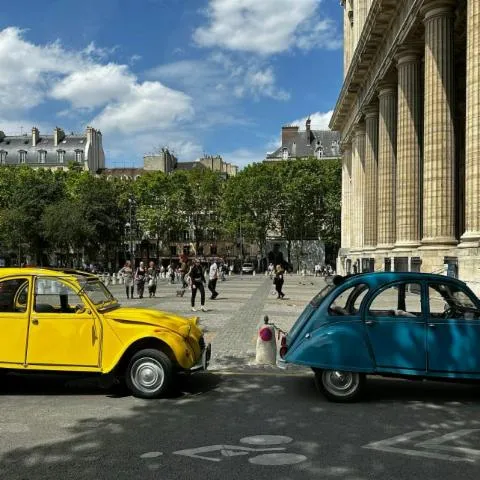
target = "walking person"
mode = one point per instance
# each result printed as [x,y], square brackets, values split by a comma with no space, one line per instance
[197,279]
[152,279]
[127,273]
[184,271]
[140,277]
[278,281]
[212,280]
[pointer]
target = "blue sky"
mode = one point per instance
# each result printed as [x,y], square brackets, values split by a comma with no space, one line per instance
[196,76]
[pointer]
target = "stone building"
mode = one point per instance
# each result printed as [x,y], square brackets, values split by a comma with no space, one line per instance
[296,143]
[166,162]
[409,117]
[54,151]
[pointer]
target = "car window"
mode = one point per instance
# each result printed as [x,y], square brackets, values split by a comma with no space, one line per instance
[14,295]
[348,301]
[55,296]
[451,301]
[398,300]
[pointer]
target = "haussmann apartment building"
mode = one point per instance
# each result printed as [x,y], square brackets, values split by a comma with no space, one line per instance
[409,117]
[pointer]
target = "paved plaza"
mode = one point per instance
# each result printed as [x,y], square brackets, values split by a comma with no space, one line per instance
[232,320]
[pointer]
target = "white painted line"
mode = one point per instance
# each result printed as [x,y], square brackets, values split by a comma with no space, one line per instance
[276,459]
[266,440]
[229,450]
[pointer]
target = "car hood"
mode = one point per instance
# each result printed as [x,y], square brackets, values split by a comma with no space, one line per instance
[155,318]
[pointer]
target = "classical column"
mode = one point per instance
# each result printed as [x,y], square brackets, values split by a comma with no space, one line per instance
[358,185]
[386,165]
[407,205]
[359,17]
[371,152]
[346,231]
[439,135]
[472,150]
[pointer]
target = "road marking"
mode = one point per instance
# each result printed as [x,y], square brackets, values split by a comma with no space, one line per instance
[151,455]
[230,451]
[436,446]
[277,459]
[266,440]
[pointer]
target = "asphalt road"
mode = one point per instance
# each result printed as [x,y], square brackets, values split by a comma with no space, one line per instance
[250,424]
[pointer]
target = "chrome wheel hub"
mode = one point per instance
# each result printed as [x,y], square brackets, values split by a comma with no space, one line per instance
[340,383]
[147,375]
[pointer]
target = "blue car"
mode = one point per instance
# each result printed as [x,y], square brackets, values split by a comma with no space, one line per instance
[386,323]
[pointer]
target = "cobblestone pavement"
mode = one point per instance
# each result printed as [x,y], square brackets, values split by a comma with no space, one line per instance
[232,320]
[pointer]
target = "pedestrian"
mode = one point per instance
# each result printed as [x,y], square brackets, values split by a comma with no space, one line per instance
[278,281]
[270,270]
[212,280]
[184,271]
[152,279]
[162,271]
[317,270]
[196,280]
[140,277]
[127,273]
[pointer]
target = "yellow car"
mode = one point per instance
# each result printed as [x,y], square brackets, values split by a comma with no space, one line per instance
[68,321]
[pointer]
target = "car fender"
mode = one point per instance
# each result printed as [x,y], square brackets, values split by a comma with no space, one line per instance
[339,346]
[182,352]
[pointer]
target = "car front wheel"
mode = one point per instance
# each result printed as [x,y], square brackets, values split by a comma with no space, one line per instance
[340,386]
[149,374]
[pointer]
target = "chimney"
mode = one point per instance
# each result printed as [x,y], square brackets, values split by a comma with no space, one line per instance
[35,136]
[309,133]
[58,136]
[289,132]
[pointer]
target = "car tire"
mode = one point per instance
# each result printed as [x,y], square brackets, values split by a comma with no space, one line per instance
[338,386]
[149,374]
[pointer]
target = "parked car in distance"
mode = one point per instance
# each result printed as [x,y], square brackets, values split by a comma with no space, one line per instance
[68,321]
[411,325]
[248,268]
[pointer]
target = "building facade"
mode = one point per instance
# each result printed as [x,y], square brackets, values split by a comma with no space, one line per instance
[56,151]
[409,117]
[296,143]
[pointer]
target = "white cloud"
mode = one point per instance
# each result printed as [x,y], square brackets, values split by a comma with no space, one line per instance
[95,86]
[244,156]
[31,74]
[266,27]
[149,105]
[319,120]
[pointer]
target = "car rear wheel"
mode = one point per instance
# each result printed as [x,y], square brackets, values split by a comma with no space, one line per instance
[149,374]
[340,386]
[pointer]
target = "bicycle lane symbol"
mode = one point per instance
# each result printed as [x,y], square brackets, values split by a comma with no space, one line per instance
[262,445]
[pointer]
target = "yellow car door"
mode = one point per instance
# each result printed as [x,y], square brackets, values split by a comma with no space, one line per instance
[63,330]
[14,293]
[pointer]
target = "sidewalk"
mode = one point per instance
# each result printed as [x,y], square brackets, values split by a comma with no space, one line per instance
[232,320]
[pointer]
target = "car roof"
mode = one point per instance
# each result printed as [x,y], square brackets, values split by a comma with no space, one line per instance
[385,277]
[52,272]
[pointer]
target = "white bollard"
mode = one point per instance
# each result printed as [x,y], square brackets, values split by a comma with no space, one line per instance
[266,351]
[254,273]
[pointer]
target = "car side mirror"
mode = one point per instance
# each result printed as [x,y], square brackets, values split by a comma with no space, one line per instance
[80,309]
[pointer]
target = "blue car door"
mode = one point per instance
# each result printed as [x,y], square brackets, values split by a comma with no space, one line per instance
[453,323]
[395,325]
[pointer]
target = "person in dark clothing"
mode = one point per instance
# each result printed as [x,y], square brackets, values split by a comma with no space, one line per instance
[278,281]
[197,280]
[140,277]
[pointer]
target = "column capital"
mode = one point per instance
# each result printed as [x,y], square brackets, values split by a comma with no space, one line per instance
[409,54]
[359,129]
[433,8]
[370,111]
[386,88]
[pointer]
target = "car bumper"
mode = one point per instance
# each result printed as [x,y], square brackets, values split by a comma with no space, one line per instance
[202,364]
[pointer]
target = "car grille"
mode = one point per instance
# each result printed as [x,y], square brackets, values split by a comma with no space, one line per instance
[201,342]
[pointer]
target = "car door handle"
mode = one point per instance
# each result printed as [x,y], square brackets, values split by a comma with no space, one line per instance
[35,321]
[370,322]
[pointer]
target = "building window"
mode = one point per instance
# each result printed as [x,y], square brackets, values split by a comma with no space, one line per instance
[173,250]
[213,249]
[3,157]
[42,156]
[285,153]
[319,153]
[79,156]
[186,250]
[61,156]
[22,155]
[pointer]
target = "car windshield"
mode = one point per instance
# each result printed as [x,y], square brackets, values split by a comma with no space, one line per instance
[318,298]
[98,293]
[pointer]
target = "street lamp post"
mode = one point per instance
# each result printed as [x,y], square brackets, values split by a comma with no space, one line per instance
[129,225]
